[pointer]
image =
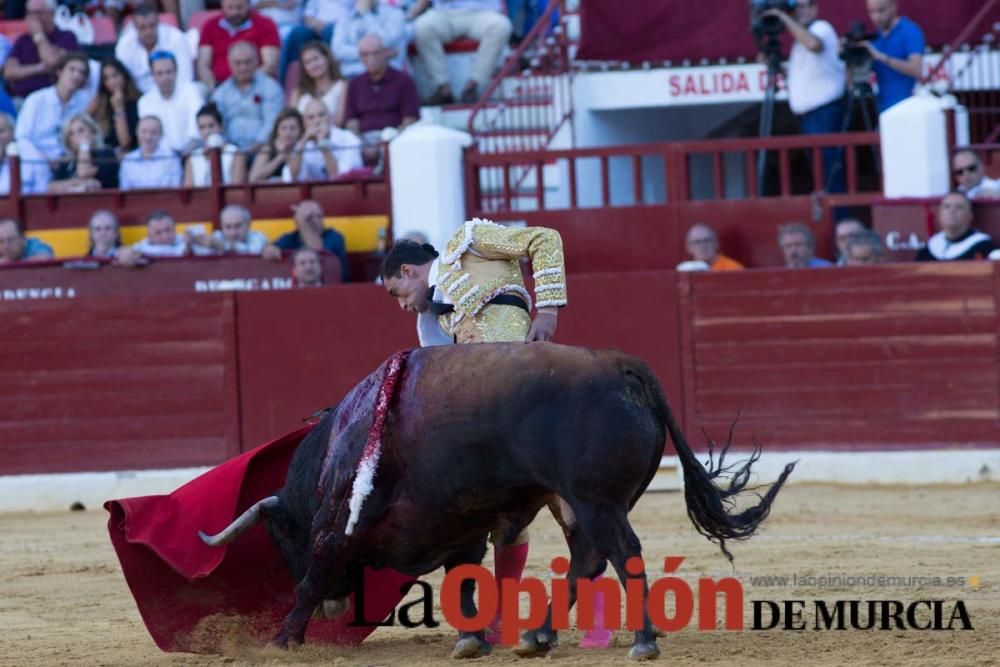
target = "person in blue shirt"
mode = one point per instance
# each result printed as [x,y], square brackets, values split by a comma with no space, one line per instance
[310,233]
[897,53]
[798,243]
[15,247]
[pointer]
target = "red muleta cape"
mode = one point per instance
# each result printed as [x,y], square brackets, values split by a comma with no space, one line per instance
[202,599]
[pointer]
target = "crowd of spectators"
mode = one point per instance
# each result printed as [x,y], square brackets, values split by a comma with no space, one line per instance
[145,117]
[856,244]
[234,235]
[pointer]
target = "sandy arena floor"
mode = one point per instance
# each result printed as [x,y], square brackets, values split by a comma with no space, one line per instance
[64,601]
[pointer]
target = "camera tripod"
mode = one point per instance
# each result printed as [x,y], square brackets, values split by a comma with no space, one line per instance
[772,54]
[859,98]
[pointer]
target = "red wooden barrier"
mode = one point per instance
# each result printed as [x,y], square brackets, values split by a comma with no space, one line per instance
[118,383]
[898,356]
[302,351]
[902,356]
[53,280]
[320,348]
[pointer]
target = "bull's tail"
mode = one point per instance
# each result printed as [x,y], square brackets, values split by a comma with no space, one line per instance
[243,523]
[711,508]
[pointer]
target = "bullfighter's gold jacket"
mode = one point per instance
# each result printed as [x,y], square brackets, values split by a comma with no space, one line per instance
[481,262]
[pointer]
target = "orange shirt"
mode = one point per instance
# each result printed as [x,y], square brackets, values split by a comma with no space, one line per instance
[723,263]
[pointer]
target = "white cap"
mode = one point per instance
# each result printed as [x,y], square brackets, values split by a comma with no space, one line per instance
[995,255]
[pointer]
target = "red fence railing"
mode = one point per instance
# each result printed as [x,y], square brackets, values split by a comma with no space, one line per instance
[650,174]
[357,193]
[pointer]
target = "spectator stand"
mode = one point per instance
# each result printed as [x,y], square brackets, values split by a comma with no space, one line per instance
[356,204]
[650,194]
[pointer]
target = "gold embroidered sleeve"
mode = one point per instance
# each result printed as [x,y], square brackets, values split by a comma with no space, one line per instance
[543,246]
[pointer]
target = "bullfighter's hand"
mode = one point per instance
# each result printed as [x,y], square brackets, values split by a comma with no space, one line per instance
[543,327]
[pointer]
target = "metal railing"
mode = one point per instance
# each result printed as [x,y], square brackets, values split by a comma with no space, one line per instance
[971,71]
[530,99]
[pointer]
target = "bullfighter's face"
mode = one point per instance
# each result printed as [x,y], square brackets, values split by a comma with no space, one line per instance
[409,288]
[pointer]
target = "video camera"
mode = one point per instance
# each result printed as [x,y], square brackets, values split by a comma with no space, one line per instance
[768,25]
[855,53]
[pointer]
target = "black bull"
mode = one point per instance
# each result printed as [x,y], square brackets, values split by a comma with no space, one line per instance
[479,437]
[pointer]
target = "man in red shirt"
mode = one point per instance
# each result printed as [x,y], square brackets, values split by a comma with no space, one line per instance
[236,24]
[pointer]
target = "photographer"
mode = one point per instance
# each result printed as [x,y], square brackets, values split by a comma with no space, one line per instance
[898,53]
[815,77]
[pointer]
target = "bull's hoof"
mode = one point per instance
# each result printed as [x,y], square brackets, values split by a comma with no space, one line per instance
[644,651]
[332,608]
[534,644]
[470,647]
[284,643]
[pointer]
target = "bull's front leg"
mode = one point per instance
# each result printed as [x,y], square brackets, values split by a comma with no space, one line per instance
[327,567]
[293,628]
[470,644]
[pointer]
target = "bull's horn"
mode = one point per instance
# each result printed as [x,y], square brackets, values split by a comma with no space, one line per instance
[244,522]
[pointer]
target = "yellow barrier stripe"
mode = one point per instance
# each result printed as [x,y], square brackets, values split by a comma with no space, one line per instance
[360,232]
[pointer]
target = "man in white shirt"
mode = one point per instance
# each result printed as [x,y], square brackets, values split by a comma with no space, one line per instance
[816,81]
[44,111]
[234,236]
[328,151]
[162,240]
[147,35]
[35,174]
[970,176]
[446,20]
[174,102]
[152,164]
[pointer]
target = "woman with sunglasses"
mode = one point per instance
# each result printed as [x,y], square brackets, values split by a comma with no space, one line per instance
[116,106]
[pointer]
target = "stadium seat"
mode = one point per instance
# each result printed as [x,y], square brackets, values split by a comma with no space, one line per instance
[104,30]
[13,28]
[165,17]
[460,45]
[198,19]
